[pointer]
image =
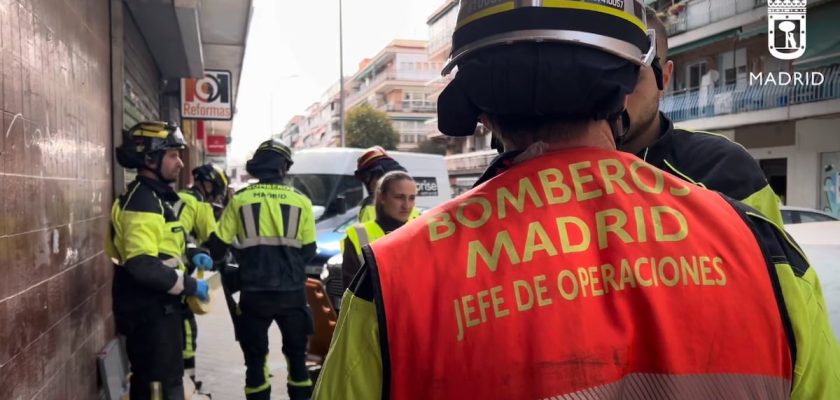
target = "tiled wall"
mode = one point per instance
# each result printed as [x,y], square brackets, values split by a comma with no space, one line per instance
[55,196]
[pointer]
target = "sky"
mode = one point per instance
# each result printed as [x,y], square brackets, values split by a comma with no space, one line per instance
[292,56]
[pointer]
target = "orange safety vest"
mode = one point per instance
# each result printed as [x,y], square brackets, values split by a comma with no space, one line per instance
[581,271]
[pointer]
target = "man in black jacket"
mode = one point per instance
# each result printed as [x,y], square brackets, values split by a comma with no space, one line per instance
[709,160]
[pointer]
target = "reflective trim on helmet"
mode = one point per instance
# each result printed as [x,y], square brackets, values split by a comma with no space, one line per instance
[222,175]
[632,11]
[507,6]
[276,147]
[607,44]
[630,15]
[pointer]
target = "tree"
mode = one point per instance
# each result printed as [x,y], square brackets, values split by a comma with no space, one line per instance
[366,127]
[431,147]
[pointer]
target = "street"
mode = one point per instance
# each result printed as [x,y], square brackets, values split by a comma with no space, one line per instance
[219,362]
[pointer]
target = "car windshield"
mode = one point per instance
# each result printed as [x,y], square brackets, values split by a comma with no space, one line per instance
[323,189]
[319,188]
[815,217]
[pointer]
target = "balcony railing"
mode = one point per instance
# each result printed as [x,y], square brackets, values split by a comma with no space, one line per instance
[475,161]
[398,75]
[693,14]
[407,106]
[732,99]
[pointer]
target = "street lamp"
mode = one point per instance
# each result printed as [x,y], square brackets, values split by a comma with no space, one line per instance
[341,76]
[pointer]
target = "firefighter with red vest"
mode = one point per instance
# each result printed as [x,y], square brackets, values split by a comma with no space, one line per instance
[576,270]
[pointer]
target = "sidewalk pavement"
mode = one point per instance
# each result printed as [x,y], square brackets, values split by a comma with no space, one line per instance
[219,361]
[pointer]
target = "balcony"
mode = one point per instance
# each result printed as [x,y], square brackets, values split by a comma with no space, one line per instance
[409,107]
[693,14]
[733,99]
[420,77]
[470,163]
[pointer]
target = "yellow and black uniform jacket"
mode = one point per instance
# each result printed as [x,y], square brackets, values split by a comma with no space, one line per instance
[273,230]
[147,243]
[196,213]
[714,162]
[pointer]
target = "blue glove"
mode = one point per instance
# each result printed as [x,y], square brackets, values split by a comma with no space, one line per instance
[202,261]
[202,291]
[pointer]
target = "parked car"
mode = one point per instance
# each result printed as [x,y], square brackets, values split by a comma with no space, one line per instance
[326,265]
[821,243]
[798,215]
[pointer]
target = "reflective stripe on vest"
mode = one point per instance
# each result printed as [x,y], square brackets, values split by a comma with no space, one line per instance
[178,207]
[582,271]
[173,262]
[250,215]
[363,234]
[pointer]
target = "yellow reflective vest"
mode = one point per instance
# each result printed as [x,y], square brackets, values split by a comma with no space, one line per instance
[271,226]
[147,243]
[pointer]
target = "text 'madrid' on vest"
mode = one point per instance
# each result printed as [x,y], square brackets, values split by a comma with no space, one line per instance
[580,271]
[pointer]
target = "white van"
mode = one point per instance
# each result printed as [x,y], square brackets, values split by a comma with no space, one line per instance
[325,175]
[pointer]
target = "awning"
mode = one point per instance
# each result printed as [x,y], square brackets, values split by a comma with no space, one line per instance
[703,42]
[823,46]
[171,30]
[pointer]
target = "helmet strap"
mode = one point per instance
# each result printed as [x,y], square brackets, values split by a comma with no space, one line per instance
[619,130]
[158,160]
[657,72]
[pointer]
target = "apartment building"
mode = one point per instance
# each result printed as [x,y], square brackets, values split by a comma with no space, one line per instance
[726,81]
[395,81]
[786,113]
[466,157]
[319,126]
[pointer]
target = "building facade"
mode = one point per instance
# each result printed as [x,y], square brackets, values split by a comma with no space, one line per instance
[720,84]
[727,81]
[466,157]
[395,82]
[319,127]
[74,75]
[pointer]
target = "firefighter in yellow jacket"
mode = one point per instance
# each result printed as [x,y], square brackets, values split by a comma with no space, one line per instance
[273,230]
[576,270]
[147,245]
[195,211]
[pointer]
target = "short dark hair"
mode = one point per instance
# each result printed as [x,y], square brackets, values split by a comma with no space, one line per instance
[522,131]
[654,22]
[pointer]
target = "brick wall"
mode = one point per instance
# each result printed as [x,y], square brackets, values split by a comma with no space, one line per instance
[54,196]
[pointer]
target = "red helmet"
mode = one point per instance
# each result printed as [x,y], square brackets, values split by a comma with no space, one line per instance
[375,161]
[370,158]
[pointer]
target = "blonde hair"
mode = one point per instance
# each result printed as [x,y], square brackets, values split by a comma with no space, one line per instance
[388,180]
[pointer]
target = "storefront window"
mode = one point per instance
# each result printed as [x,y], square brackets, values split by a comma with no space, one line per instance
[830,188]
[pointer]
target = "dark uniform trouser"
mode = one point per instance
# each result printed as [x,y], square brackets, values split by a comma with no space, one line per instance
[190,335]
[258,312]
[154,348]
